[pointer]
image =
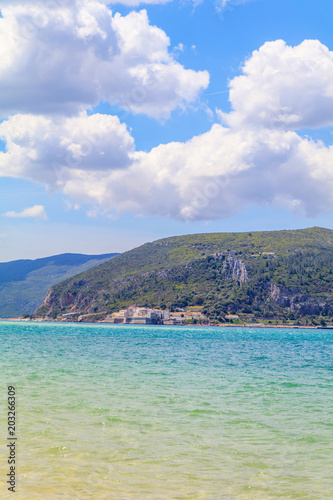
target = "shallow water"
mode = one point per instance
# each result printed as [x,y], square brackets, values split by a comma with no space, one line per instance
[162,413]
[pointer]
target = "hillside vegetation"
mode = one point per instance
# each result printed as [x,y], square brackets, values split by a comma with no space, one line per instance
[24,283]
[275,275]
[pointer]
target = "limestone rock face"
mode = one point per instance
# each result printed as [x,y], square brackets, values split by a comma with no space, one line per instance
[282,295]
[292,298]
[235,268]
[239,271]
[305,304]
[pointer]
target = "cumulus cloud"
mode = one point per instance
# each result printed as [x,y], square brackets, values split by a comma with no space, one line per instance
[36,212]
[254,157]
[64,57]
[216,175]
[45,149]
[212,176]
[283,86]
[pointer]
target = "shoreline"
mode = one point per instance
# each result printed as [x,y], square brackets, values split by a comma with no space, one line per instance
[227,325]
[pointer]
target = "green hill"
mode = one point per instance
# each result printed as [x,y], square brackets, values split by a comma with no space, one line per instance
[274,275]
[24,283]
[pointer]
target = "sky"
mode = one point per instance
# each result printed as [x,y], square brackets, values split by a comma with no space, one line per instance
[126,122]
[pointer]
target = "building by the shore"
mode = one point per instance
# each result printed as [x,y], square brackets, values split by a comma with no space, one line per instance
[138,316]
[146,316]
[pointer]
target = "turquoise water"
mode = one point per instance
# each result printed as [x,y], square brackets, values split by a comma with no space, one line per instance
[124,413]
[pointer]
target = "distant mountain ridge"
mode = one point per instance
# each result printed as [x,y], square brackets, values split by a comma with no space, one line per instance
[24,283]
[271,275]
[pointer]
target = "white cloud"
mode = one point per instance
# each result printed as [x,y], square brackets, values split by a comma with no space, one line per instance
[72,206]
[68,57]
[283,86]
[231,3]
[212,176]
[36,212]
[216,175]
[256,158]
[94,212]
[46,149]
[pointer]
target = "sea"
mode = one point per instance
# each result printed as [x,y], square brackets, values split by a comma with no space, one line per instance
[148,412]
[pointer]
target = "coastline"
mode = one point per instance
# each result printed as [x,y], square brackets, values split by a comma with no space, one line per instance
[201,325]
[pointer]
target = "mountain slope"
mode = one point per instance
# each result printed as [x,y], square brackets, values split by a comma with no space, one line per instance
[24,283]
[263,274]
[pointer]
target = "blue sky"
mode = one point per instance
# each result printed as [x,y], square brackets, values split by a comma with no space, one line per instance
[125,123]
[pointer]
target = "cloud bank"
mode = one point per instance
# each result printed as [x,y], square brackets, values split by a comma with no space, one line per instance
[68,58]
[80,53]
